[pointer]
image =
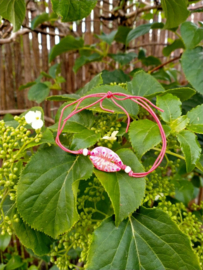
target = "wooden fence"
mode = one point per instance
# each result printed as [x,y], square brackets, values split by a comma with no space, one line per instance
[22,59]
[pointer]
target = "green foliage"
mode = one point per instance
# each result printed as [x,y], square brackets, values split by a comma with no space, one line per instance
[177,44]
[140,134]
[39,19]
[57,176]
[38,92]
[66,44]
[191,34]
[192,65]
[196,119]
[73,10]
[149,231]
[145,85]
[126,195]
[14,11]
[175,11]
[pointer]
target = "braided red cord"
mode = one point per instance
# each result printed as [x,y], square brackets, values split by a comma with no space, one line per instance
[144,102]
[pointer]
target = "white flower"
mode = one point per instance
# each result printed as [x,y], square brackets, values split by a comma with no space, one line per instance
[112,137]
[34,119]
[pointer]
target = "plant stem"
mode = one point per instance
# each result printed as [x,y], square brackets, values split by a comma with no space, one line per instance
[170,153]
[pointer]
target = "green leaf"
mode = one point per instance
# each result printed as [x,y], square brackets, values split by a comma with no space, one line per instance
[182,93]
[144,85]
[123,58]
[84,139]
[191,34]
[71,10]
[39,19]
[151,61]
[190,148]
[77,123]
[131,107]
[14,263]
[96,81]
[138,31]
[30,238]
[27,85]
[147,240]
[171,106]
[196,119]
[144,135]
[2,266]
[108,38]
[46,199]
[13,11]
[179,124]
[54,70]
[126,193]
[68,43]
[177,44]
[38,92]
[64,97]
[4,241]
[184,191]
[175,12]
[117,76]
[122,33]
[162,75]
[192,102]
[82,60]
[192,64]
[33,267]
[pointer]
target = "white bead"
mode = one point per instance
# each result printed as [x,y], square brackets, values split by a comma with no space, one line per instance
[127,169]
[85,151]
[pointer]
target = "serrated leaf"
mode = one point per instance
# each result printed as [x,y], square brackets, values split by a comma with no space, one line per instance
[144,135]
[96,81]
[179,124]
[39,19]
[125,192]
[84,139]
[192,64]
[37,241]
[144,84]
[123,58]
[190,148]
[177,44]
[175,12]
[130,106]
[68,43]
[38,92]
[138,31]
[13,11]
[196,119]
[191,34]
[108,38]
[182,93]
[191,103]
[147,240]
[46,199]
[171,106]
[72,10]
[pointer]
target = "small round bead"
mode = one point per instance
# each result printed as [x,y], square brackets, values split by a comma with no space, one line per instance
[85,152]
[127,169]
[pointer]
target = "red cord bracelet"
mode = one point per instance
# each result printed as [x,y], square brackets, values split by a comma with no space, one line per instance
[103,158]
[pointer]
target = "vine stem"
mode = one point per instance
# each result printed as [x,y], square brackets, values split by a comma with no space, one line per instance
[170,153]
[164,64]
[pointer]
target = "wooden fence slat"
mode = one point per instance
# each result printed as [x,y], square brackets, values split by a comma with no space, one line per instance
[18,73]
[10,95]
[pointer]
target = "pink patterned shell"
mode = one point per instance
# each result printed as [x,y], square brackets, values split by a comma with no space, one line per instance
[104,159]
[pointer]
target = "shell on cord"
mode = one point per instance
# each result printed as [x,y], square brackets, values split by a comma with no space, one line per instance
[104,159]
